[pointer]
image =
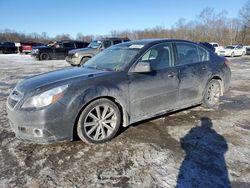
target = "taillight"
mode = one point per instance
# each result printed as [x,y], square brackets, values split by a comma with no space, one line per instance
[227,62]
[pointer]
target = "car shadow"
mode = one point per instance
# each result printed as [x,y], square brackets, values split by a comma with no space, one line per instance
[204,163]
[123,129]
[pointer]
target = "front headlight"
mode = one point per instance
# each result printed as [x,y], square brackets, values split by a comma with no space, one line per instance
[46,98]
[76,55]
[35,51]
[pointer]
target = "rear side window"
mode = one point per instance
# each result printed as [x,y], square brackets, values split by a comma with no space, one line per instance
[187,53]
[203,54]
[116,42]
[79,45]
[159,56]
[68,45]
[106,43]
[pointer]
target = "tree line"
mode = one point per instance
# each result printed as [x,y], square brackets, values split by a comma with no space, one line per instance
[209,26]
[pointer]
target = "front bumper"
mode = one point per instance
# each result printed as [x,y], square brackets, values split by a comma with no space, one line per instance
[34,55]
[41,126]
[72,60]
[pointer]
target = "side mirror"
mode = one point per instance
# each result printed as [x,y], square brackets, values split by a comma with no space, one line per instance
[142,67]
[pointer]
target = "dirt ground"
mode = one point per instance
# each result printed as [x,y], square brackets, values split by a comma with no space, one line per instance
[196,147]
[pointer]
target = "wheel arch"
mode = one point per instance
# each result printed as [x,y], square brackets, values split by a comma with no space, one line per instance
[220,80]
[89,56]
[121,106]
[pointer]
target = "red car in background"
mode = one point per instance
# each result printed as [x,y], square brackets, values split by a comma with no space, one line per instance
[26,47]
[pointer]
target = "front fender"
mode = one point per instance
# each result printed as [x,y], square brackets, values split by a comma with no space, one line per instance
[116,94]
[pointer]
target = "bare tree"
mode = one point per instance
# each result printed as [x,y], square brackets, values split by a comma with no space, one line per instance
[245,14]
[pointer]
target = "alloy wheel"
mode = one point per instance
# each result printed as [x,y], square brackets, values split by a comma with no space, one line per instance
[100,122]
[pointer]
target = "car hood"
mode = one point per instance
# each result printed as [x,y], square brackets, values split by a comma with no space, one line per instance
[63,76]
[41,47]
[82,50]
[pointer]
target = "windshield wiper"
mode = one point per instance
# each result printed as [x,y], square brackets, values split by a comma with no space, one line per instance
[98,68]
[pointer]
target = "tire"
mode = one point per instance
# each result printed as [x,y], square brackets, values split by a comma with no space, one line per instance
[44,56]
[212,94]
[99,121]
[84,60]
[232,54]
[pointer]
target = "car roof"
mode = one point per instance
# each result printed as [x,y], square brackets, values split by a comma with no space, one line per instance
[69,41]
[149,42]
[112,38]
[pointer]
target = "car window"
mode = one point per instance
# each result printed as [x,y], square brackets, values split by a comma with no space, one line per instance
[186,53]
[158,56]
[215,45]
[115,59]
[68,45]
[107,43]
[203,54]
[116,42]
[79,45]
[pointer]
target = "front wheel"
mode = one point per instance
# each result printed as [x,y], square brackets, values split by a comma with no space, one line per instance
[99,121]
[212,94]
[44,56]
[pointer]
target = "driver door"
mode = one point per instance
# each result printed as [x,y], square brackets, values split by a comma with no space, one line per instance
[154,91]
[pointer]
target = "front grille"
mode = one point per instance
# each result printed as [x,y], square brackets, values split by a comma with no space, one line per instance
[14,98]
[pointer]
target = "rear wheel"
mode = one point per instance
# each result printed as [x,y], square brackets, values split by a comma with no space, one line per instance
[84,60]
[99,121]
[212,94]
[44,56]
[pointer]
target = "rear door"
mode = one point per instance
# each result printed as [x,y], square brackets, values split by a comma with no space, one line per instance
[157,90]
[193,70]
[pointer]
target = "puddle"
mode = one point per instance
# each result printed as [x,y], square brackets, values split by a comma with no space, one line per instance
[235,103]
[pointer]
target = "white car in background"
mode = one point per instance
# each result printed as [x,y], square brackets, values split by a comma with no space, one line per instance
[217,47]
[233,50]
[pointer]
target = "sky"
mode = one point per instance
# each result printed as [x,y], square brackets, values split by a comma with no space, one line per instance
[99,17]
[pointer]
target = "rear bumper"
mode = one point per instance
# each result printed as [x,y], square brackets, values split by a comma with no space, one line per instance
[26,51]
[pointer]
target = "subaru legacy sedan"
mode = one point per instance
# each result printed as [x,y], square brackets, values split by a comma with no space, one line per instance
[123,84]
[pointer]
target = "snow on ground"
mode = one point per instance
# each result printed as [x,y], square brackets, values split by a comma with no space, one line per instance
[195,147]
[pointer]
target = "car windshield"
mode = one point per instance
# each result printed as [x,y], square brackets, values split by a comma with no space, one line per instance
[114,59]
[229,47]
[95,44]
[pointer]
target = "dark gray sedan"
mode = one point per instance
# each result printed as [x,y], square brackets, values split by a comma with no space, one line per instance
[124,84]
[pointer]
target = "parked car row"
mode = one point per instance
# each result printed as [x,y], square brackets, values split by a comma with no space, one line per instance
[231,50]
[7,47]
[26,47]
[56,50]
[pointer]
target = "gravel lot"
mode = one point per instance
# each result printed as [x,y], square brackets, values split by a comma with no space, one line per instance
[195,147]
